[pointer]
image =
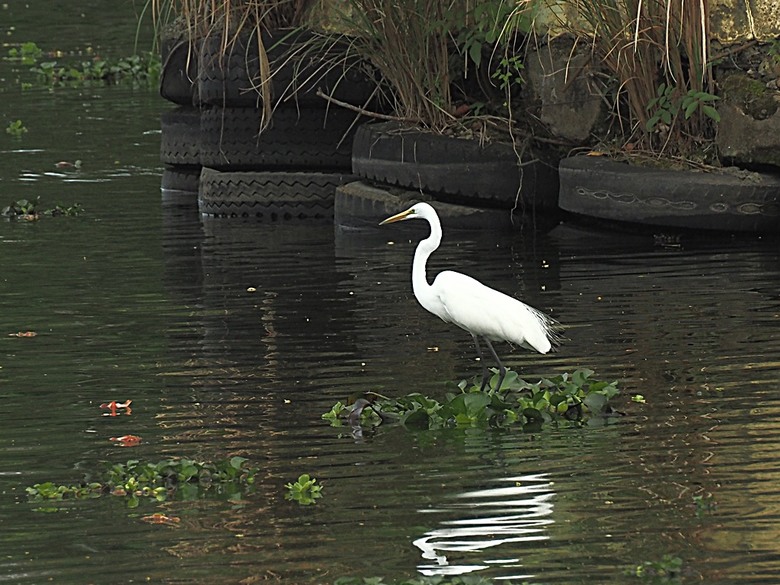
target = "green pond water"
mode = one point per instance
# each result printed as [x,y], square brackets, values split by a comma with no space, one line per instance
[232,338]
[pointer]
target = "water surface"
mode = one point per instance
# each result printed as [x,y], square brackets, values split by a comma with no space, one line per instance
[232,338]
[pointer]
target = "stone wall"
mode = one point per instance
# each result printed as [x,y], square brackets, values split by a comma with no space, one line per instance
[731,21]
[736,21]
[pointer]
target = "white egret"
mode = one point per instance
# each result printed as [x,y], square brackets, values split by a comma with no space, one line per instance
[464,301]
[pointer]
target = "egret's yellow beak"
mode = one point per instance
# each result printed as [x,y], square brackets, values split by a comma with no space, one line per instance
[398,217]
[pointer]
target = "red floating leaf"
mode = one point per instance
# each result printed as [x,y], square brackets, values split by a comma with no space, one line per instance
[114,406]
[126,440]
[159,518]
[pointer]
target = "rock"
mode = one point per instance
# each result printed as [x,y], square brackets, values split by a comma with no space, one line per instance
[746,141]
[750,95]
[560,88]
[749,127]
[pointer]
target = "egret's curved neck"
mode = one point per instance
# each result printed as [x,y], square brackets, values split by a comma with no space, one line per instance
[424,249]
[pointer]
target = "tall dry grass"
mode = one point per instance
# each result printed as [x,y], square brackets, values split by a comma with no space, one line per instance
[229,20]
[422,47]
[408,42]
[204,16]
[658,53]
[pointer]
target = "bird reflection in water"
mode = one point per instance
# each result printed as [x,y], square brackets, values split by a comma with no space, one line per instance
[499,517]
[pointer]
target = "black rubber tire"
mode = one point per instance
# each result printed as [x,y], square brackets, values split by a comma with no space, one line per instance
[459,169]
[180,137]
[230,78]
[179,200]
[270,196]
[298,138]
[605,189]
[180,178]
[359,205]
[179,69]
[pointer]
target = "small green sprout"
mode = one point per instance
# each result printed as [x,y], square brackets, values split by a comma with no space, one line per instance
[332,416]
[667,570]
[16,129]
[304,490]
[704,505]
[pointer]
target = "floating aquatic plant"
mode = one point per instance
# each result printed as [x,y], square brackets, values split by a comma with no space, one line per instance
[30,210]
[26,53]
[135,68]
[57,68]
[181,478]
[573,398]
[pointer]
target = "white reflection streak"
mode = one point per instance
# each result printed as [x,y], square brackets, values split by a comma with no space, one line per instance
[523,508]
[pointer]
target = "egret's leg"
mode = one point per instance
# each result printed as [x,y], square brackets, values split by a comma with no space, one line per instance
[485,376]
[501,368]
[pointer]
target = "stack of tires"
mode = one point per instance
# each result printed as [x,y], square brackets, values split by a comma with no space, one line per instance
[284,168]
[180,127]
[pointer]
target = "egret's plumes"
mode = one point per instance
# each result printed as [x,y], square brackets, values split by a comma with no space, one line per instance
[464,301]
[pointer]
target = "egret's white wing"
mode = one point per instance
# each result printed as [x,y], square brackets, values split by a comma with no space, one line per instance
[469,304]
